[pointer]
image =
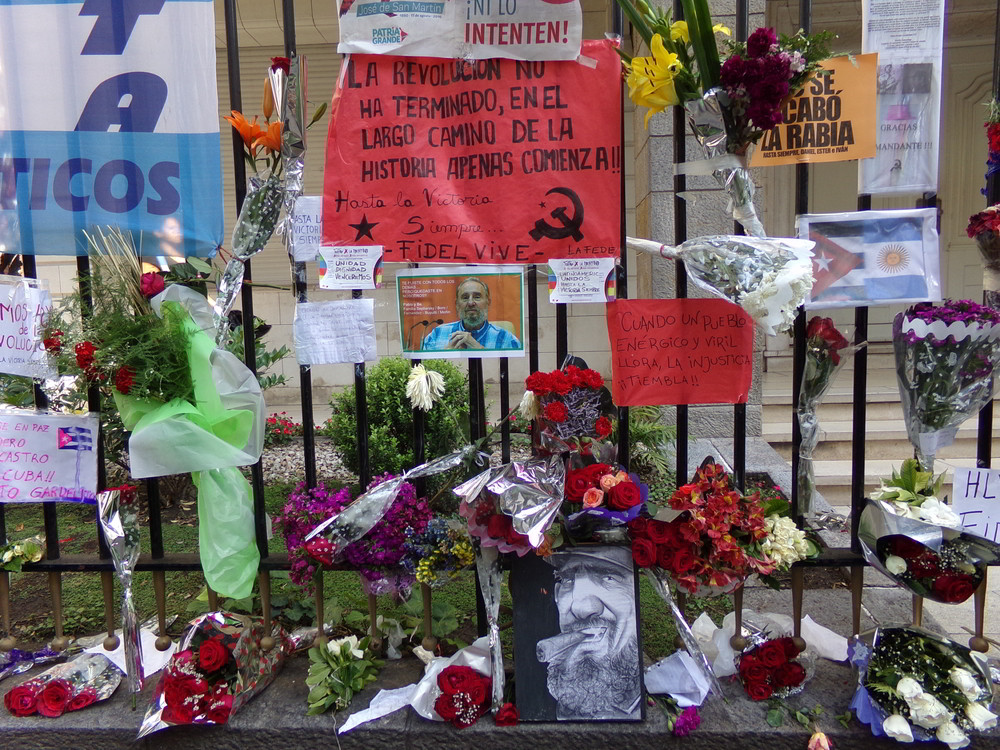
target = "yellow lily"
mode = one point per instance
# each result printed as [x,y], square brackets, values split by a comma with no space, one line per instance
[679,32]
[651,79]
[721,29]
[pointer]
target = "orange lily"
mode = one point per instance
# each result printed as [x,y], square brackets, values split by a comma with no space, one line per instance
[249,131]
[270,138]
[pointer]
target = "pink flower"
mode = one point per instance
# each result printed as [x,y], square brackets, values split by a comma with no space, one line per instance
[593,498]
[151,284]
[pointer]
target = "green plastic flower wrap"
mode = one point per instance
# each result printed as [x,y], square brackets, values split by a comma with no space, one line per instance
[221,429]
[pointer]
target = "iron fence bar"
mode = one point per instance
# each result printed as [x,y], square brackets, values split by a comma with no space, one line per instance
[680,270]
[505,409]
[740,410]
[859,417]
[562,334]
[984,438]
[532,318]
[621,280]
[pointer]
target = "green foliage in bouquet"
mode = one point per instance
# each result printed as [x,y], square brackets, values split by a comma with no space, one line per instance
[910,484]
[390,417]
[337,671]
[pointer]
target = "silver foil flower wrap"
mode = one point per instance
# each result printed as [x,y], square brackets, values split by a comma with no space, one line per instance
[210,696]
[706,117]
[16,661]
[118,512]
[661,583]
[530,492]
[940,563]
[358,518]
[945,376]
[491,587]
[290,96]
[768,277]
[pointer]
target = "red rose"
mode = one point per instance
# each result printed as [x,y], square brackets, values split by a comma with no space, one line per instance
[625,495]
[758,691]
[180,714]
[218,706]
[23,699]
[602,427]
[212,655]
[771,654]
[751,670]
[445,707]
[498,526]
[555,412]
[594,472]
[151,284]
[643,552]
[831,338]
[54,698]
[513,536]
[682,561]
[177,689]
[459,679]
[954,587]
[82,699]
[791,650]
[639,527]
[903,546]
[577,483]
[789,675]
[506,716]
[281,63]
[660,532]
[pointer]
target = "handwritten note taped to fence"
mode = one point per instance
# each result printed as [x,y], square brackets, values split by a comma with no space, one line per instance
[679,351]
[47,457]
[332,332]
[582,280]
[23,306]
[976,498]
[307,228]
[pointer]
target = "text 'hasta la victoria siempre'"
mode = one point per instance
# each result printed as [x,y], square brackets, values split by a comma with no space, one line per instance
[489,161]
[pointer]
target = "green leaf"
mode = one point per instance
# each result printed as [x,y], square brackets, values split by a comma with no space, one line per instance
[803,719]
[318,693]
[844,719]
[199,265]
[775,717]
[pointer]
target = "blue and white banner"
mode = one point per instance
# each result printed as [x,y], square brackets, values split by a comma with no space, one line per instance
[109,117]
[873,257]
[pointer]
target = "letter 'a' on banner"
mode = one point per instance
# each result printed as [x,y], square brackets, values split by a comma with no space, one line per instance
[488,161]
[679,351]
[109,118]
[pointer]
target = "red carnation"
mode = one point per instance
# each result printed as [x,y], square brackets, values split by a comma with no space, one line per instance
[537,383]
[602,427]
[555,411]
[281,63]
[993,136]
[53,343]
[85,355]
[124,379]
[498,526]
[826,331]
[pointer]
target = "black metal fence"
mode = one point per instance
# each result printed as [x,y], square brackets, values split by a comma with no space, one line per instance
[160,561]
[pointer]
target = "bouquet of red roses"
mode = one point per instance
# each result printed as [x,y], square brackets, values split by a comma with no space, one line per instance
[65,687]
[219,666]
[572,407]
[600,496]
[984,228]
[465,695]
[770,670]
[714,542]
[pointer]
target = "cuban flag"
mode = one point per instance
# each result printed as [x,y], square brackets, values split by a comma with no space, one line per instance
[75,439]
[109,118]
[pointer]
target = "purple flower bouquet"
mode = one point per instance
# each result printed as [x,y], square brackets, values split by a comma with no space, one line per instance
[945,359]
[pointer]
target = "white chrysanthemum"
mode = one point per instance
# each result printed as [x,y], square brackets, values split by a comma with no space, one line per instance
[530,407]
[424,387]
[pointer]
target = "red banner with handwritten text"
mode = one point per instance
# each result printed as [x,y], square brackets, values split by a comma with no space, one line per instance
[679,351]
[484,161]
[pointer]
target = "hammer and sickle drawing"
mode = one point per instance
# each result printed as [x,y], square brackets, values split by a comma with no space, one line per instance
[568,226]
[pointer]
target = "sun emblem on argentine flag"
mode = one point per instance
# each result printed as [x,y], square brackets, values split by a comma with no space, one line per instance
[893,258]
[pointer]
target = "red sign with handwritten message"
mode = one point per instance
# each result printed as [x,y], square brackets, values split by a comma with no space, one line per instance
[484,161]
[679,351]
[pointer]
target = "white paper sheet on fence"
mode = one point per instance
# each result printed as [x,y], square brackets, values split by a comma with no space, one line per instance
[350,266]
[476,29]
[307,228]
[23,305]
[46,456]
[974,498]
[582,280]
[109,117]
[873,257]
[333,332]
[908,37]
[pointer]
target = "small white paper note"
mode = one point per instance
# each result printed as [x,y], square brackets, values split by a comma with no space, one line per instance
[383,704]
[152,660]
[975,493]
[581,280]
[332,332]
[350,267]
[307,228]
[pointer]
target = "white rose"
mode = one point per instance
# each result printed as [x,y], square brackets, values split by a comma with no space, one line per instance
[965,681]
[896,727]
[928,712]
[908,688]
[952,736]
[981,718]
[8,555]
[933,510]
[895,565]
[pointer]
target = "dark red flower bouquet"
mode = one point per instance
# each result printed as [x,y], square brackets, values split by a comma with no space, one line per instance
[716,540]
[600,496]
[984,228]
[992,139]
[465,695]
[218,667]
[771,670]
[65,687]
[945,574]
[572,407]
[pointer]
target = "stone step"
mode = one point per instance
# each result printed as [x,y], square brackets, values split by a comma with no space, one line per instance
[836,412]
